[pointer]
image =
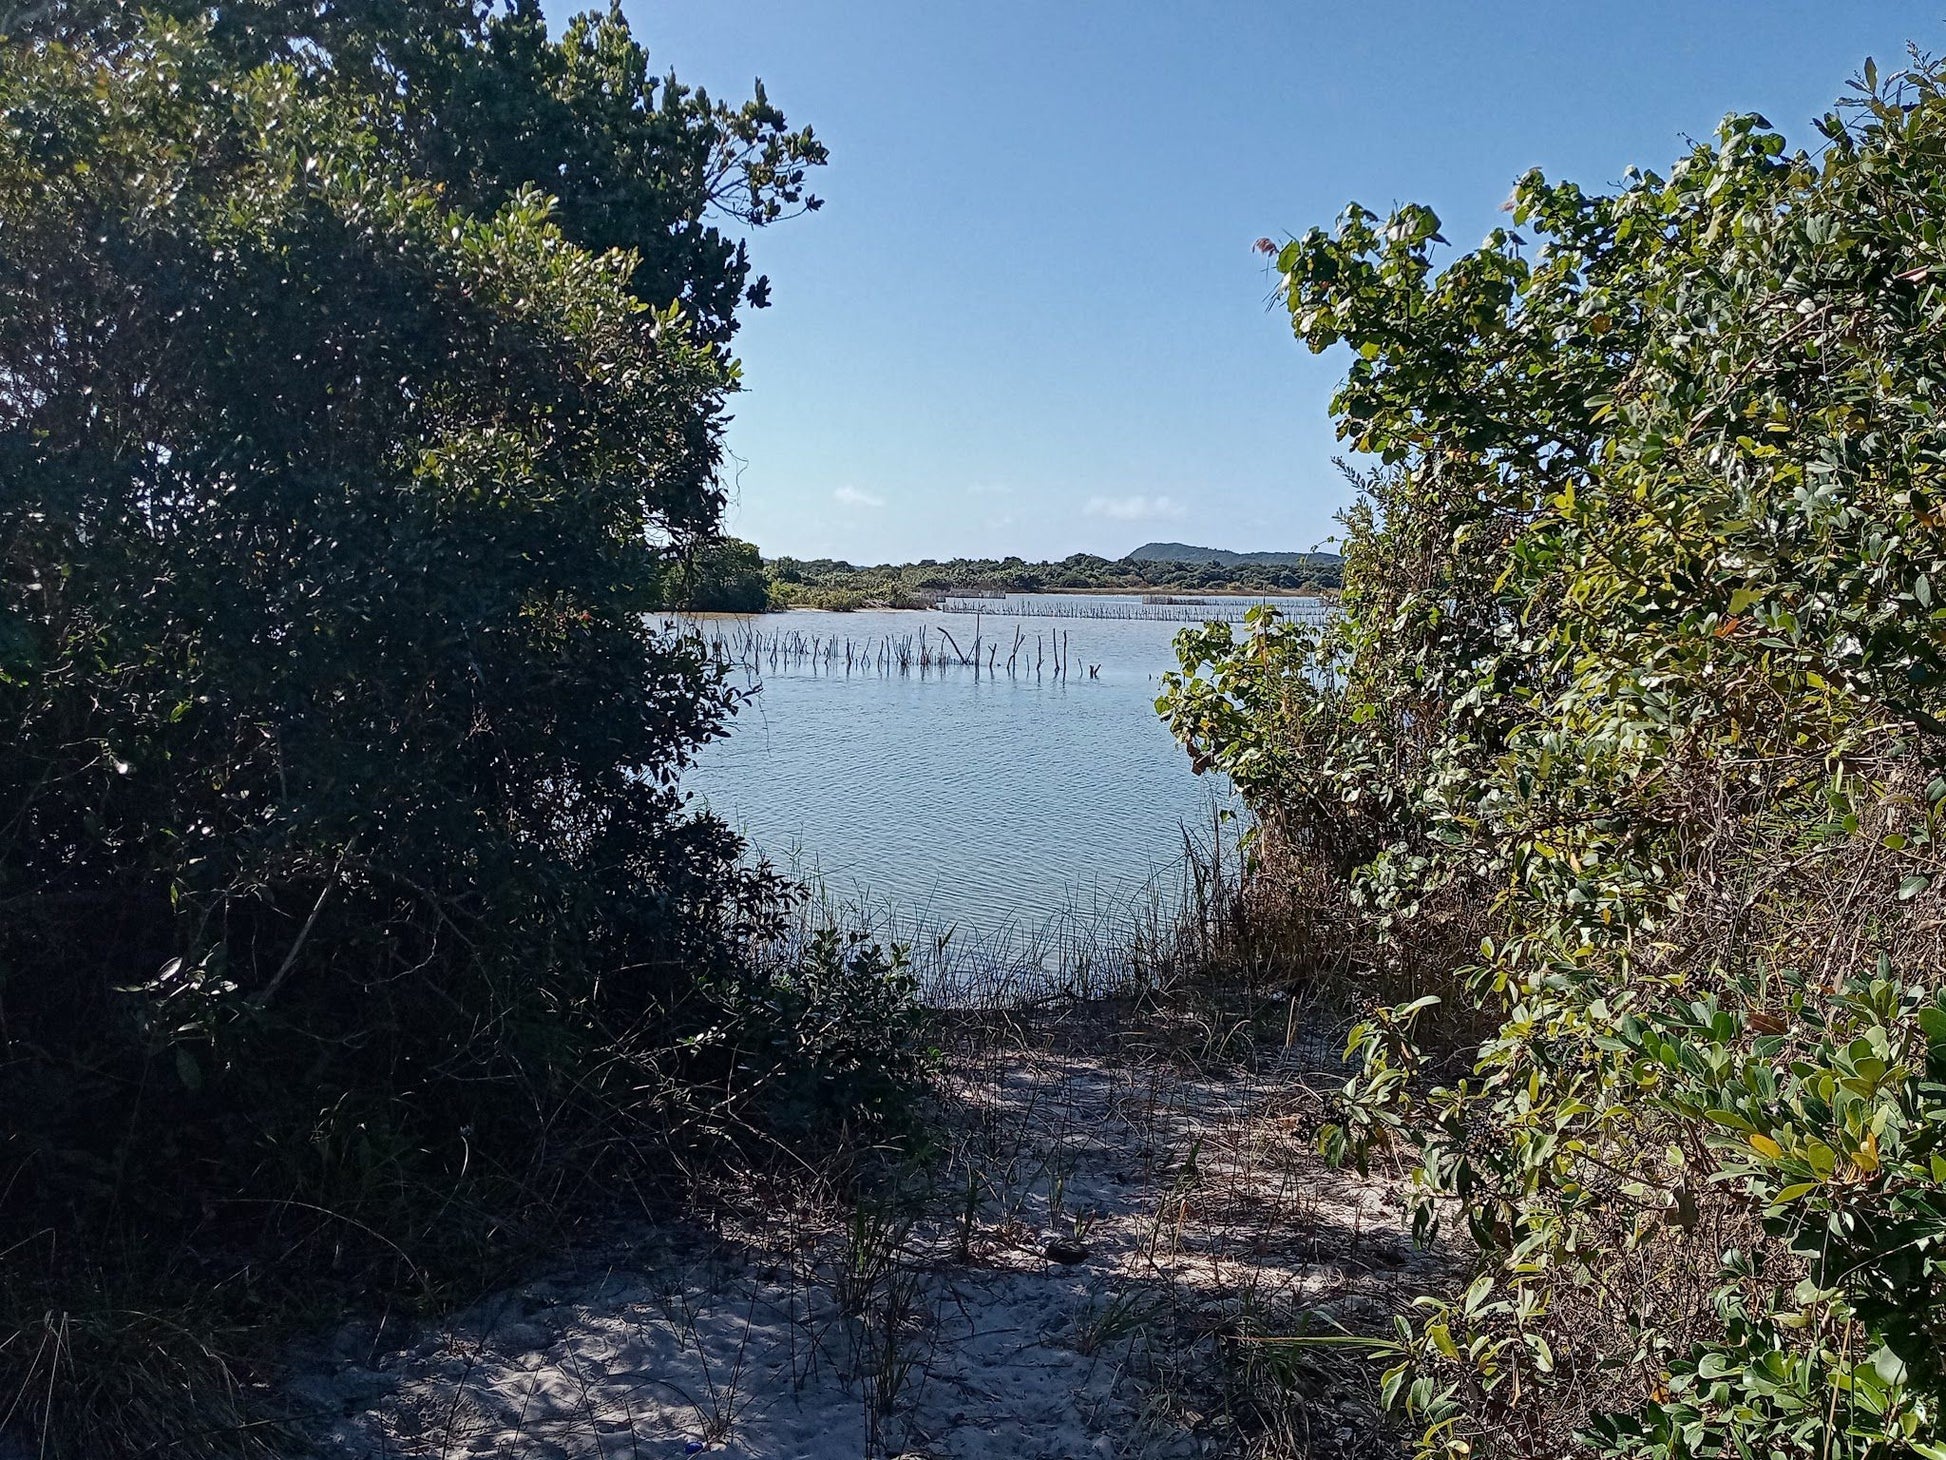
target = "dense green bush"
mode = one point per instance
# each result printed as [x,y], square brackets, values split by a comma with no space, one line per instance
[716,575]
[833,1035]
[350,916]
[1637,685]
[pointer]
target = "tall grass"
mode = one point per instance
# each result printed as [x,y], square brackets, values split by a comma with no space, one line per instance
[1199,915]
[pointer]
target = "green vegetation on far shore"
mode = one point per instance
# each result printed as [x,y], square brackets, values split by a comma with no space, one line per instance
[728,576]
[1183,552]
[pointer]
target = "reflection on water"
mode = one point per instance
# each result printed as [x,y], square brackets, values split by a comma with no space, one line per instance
[989,803]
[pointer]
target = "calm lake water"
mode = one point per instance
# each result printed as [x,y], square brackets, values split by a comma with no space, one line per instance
[1019,806]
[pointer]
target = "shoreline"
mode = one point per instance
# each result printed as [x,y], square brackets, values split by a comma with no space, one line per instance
[1183,599]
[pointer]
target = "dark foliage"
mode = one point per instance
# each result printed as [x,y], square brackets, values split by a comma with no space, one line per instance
[486,104]
[349,913]
[717,575]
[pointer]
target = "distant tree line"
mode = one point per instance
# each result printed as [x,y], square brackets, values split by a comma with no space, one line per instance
[728,575]
[830,582]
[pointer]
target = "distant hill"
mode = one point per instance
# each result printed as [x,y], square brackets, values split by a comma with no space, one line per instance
[1182,552]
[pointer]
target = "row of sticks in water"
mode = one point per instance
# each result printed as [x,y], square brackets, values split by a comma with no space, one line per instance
[749,647]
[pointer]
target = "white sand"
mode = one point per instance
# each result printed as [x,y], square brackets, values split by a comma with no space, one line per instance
[1204,1213]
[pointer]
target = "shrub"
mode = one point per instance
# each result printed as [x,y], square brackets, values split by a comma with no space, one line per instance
[718,575]
[829,1036]
[350,916]
[1638,655]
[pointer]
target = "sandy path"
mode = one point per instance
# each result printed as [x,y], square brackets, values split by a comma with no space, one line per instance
[1190,1215]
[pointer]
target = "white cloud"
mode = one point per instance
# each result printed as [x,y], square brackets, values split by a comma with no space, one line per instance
[852,497]
[1133,509]
[989,489]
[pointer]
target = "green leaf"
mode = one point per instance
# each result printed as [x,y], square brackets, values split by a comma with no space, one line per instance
[1888,1365]
[1442,1339]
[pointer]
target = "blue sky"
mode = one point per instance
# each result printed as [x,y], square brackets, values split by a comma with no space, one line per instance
[1028,319]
